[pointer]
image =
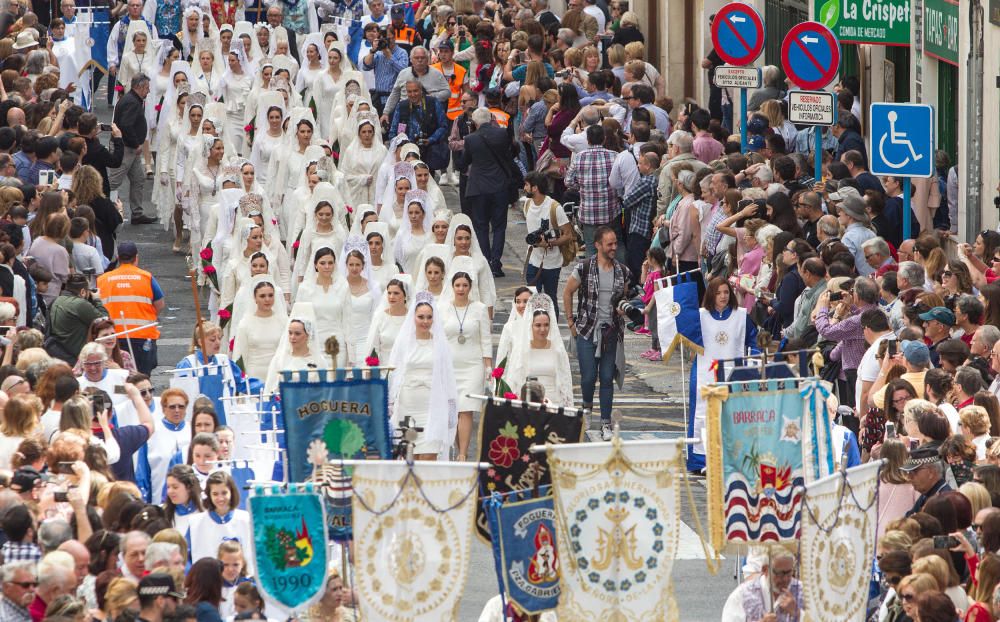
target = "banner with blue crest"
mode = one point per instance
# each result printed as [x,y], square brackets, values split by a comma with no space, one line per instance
[289,544]
[524,549]
[331,416]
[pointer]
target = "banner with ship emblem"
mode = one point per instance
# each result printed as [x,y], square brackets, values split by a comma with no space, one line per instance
[506,432]
[764,445]
[839,515]
[412,535]
[289,545]
[343,415]
[524,549]
[617,523]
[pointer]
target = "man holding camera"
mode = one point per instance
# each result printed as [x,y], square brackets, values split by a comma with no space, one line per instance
[548,229]
[423,121]
[70,318]
[386,59]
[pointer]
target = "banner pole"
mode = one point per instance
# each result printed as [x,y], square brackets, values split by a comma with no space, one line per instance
[537,449]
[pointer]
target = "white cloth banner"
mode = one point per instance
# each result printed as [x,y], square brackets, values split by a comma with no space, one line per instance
[618,523]
[667,311]
[839,517]
[412,534]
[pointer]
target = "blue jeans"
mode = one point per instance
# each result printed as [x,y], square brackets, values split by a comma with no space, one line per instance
[490,210]
[547,283]
[592,368]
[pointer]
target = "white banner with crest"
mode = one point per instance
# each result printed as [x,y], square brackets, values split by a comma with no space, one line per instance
[617,519]
[412,534]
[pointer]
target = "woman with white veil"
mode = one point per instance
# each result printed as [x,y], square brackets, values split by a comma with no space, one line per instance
[299,347]
[388,318]
[314,65]
[277,256]
[425,182]
[518,304]
[261,86]
[189,148]
[200,191]
[160,82]
[321,228]
[422,385]
[384,266]
[328,84]
[393,202]
[139,57]
[346,132]
[259,325]
[462,240]
[469,330]
[222,231]
[234,88]
[287,168]
[243,30]
[171,124]
[262,32]
[387,169]
[191,33]
[209,73]
[248,240]
[440,224]
[293,213]
[431,269]
[328,292]
[415,230]
[538,351]
[360,163]
[365,295]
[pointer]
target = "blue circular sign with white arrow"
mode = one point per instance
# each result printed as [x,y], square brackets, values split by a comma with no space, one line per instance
[810,55]
[738,34]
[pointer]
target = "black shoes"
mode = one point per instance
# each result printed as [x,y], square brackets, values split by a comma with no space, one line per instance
[143,220]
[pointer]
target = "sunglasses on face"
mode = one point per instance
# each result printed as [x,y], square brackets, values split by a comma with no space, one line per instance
[908,597]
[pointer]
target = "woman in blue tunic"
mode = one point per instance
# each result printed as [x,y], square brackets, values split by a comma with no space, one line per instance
[218,376]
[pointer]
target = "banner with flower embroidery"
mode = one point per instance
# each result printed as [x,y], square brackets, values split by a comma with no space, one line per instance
[506,432]
[839,515]
[336,415]
[617,522]
[412,537]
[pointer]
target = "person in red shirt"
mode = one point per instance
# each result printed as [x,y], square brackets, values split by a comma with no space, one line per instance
[54,580]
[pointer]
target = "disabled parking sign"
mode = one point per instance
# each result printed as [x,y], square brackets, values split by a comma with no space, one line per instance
[902,140]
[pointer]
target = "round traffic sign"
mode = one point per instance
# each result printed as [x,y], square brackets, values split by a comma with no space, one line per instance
[810,55]
[738,34]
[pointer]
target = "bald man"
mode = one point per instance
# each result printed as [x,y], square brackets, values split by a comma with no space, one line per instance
[15,116]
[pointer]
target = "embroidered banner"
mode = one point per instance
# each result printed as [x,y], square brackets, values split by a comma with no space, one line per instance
[839,515]
[412,535]
[524,549]
[336,417]
[289,546]
[617,521]
[506,432]
[763,446]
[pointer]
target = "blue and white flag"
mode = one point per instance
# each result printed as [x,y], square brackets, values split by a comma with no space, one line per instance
[524,549]
[677,305]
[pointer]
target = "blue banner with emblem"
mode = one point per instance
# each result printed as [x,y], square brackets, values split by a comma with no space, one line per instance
[289,544]
[331,416]
[524,549]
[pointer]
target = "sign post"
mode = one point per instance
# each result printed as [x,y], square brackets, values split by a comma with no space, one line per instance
[810,55]
[902,145]
[738,37]
[815,108]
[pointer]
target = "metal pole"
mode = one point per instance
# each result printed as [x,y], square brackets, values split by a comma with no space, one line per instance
[743,120]
[818,137]
[128,340]
[906,208]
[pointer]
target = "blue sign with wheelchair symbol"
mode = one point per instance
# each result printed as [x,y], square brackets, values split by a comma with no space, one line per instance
[902,140]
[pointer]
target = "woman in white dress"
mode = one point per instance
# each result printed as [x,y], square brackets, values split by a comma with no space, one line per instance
[164,193]
[298,348]
[313,67]
[386,171]
[321,229]
[250,241]
[258,333]
[388,319]
[200,190]
[360,163]
[538,351]
[439,225]
[433,276]
[468,327]
[160,84]
[326,86]
[139,57]
[425,182]
[207,77]
[365,294]
[383,262]
[415,230]
[328,294]
[261,85]
[521,296]
[234,88]
[267,134]
[190,146]
[461,239]
[422,384]
[287,168]
[393,204]
[244,304]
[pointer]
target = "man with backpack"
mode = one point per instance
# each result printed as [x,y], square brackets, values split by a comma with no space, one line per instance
[550,235]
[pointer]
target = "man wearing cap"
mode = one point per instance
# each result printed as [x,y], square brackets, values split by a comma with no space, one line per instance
[454,74]
[915,357]
[937,328]
[70,318]
[158,597]
[25,481]
[406,37]
[925,470]
[855,222]
[133,299]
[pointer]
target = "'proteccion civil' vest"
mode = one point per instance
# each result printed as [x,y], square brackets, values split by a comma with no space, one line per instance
[128,291]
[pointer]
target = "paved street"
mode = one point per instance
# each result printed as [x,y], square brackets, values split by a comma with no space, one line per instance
[650,402]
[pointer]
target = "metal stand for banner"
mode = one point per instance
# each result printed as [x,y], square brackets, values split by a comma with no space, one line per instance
[561,410]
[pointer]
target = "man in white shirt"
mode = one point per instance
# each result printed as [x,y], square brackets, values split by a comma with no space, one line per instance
[545,261]
[376,14]
[590,8]
[574,137]
[875,328]
[65,388]
[625,171]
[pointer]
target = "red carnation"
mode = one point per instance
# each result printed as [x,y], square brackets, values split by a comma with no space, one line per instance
[350,210]
[231,343]
[206,254]
[247,127]
[225,314]
[371,361]
[295,245]
[209,269]
[158,107]
[510,396]
[497,373]
[119,88]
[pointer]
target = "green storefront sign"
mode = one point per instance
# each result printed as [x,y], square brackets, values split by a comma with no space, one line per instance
[879,22]
[941,30]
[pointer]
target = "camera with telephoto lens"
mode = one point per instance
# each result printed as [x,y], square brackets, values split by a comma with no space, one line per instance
[383,39]
[543,232]
[633,313]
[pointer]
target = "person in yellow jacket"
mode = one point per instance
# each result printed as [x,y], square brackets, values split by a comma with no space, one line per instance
[454,73]
[133,299]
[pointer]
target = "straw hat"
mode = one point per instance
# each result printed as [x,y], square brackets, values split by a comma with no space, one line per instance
[27,38]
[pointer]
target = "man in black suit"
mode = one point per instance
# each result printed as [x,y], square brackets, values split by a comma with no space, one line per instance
[130,117]
[274,18]
[488,155]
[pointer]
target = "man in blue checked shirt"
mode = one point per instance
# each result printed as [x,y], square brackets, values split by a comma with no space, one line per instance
[387,59]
